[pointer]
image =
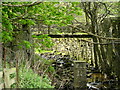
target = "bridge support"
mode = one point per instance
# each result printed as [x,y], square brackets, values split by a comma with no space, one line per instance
[80,79]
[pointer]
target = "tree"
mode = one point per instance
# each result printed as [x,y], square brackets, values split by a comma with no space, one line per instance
[18,17]
[102,24]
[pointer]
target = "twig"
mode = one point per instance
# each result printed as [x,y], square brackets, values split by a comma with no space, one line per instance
[27,5]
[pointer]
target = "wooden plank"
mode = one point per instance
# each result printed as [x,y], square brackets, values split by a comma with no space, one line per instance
[67,36]
[1,74]
[1,77]
[7,79]
[1,85]
[8,82]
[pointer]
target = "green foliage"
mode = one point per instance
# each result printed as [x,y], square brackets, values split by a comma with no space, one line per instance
[6,36]
[43,41]
[45,65]
[50,12]
[43,61]
[27,21]
[116,8]
[51,69]
[27,44]
[12,75]
[43,51]
[28,79]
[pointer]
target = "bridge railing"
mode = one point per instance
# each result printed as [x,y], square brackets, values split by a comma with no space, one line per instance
[8,78]
[1,80]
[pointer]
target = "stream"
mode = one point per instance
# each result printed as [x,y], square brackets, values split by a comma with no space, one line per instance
[64,77]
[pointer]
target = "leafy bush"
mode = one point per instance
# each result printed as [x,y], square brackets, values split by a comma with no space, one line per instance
[29,79]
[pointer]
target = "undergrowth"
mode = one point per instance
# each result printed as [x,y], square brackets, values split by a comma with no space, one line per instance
[29,79]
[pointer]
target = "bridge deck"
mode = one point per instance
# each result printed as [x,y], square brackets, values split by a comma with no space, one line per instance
[68,36]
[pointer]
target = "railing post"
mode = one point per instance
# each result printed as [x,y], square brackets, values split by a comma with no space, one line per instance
[6,81]
[6,78]
[80,80]
[1,80]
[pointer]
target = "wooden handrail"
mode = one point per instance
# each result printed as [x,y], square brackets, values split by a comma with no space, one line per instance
[67,36]
[7,80]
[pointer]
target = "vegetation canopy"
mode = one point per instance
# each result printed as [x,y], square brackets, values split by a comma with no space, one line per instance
[48,38]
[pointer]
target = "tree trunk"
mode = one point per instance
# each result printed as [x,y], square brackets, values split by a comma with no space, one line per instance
[94,29]
[0,55]
[18,46]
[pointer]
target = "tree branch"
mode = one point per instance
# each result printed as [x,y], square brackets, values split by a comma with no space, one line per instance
[95,35]
[27,5]
[96,43]
[107,12]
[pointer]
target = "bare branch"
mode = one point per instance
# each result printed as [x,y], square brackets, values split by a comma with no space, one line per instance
[95,35]
[107,12]
[27,5]
[96,43]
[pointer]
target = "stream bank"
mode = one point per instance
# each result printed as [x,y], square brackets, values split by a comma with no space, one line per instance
[63,77]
